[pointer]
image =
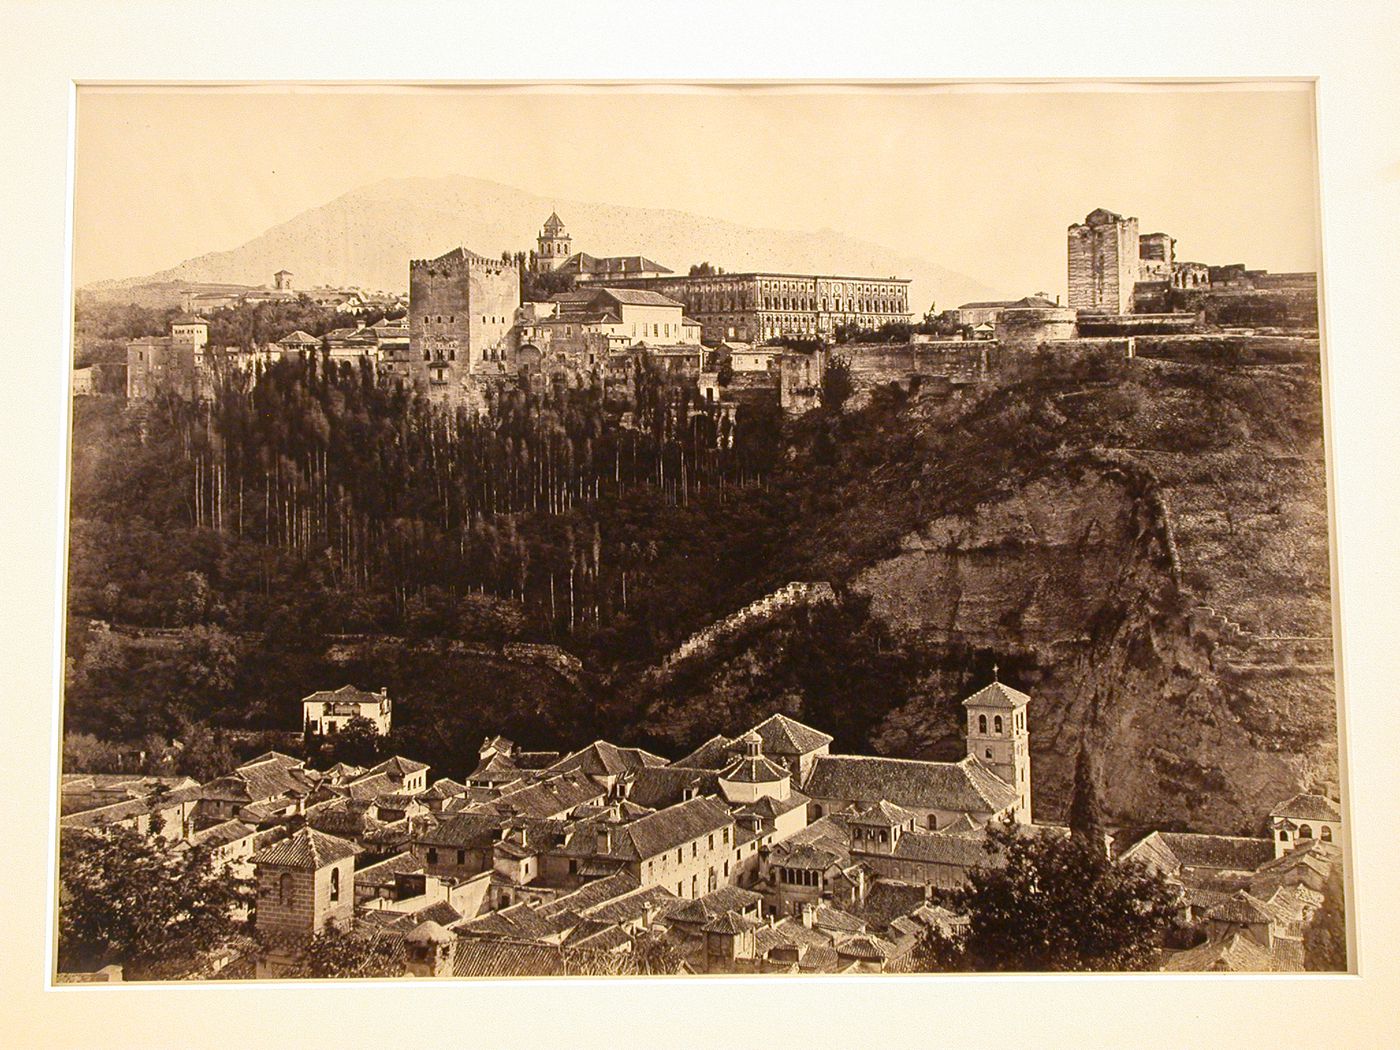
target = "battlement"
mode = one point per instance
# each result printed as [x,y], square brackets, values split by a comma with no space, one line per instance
[459,259]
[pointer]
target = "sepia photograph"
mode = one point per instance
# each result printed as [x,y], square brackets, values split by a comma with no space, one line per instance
[667,530]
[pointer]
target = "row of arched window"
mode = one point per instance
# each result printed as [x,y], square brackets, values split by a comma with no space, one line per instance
[1018,722]
[1305,831]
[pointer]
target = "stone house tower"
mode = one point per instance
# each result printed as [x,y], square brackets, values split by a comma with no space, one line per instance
[1103,262]
[555,244]
[305,883]
[998,737]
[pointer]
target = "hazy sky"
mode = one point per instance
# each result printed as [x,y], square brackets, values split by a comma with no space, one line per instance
[982,179]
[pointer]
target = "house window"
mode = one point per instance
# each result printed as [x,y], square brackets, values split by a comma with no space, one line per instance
[695,849]
[996,723]
[981,723]
[432,855]
[1283,836]
[1304,831]
[335,885]
[461,856]
[573,868]
[284,889]
[1326,835]
[988,753]
[711,844]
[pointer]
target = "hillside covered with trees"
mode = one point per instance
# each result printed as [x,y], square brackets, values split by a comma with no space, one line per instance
[232,546]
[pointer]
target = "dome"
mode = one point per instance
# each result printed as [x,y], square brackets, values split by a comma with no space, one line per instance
[429,932]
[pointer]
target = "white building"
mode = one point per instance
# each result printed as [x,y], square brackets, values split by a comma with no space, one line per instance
[327,711]
[1302,818]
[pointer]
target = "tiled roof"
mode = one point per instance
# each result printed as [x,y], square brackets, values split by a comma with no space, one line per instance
[933,847]
[805,856]
[966,785]
[473,958]
[345,694]
[1227,852]
[753,769]
[104,815]
[886,900]
[444,788]
[1237,953]
[551,797]
[605,938]
[997,694]
[782,735]
[461,831]
[714,753]
[308,850]
[660,786]
[601,758]
[1240,908]
[1308,807]
[398,766]
[986,304]
[668,828]
[829,918]
[371,786]
[730,922]
[769,808]
[865,946]
[726,898]
[882,814]
[223,834]
[382,873]
[629,907]
[591,894]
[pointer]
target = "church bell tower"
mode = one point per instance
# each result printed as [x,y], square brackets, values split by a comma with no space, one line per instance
[998,736]
[555,244]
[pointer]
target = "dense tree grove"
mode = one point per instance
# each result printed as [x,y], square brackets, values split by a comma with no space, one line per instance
[1046,902]
[136,900]
[399,507]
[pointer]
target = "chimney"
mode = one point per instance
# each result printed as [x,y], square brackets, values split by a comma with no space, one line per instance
[809,914]
[604,842]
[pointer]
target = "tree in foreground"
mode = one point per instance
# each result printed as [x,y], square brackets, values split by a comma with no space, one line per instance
[1052,902]
[1325,940]
[340,953]
[159,912]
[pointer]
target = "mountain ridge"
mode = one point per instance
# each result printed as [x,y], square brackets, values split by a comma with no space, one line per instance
[366,237]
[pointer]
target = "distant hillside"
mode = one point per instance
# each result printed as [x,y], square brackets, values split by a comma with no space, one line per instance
[367,236]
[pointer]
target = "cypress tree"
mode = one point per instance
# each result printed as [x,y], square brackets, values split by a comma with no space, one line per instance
[1085,812]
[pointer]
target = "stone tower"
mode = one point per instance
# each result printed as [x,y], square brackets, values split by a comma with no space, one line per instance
[998,737]
[1103,262]
[555,244]
[305,883]
[282,280]
[461,307]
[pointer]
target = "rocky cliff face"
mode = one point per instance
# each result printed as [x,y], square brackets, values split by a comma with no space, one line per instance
[1146,556]
[1094,589]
